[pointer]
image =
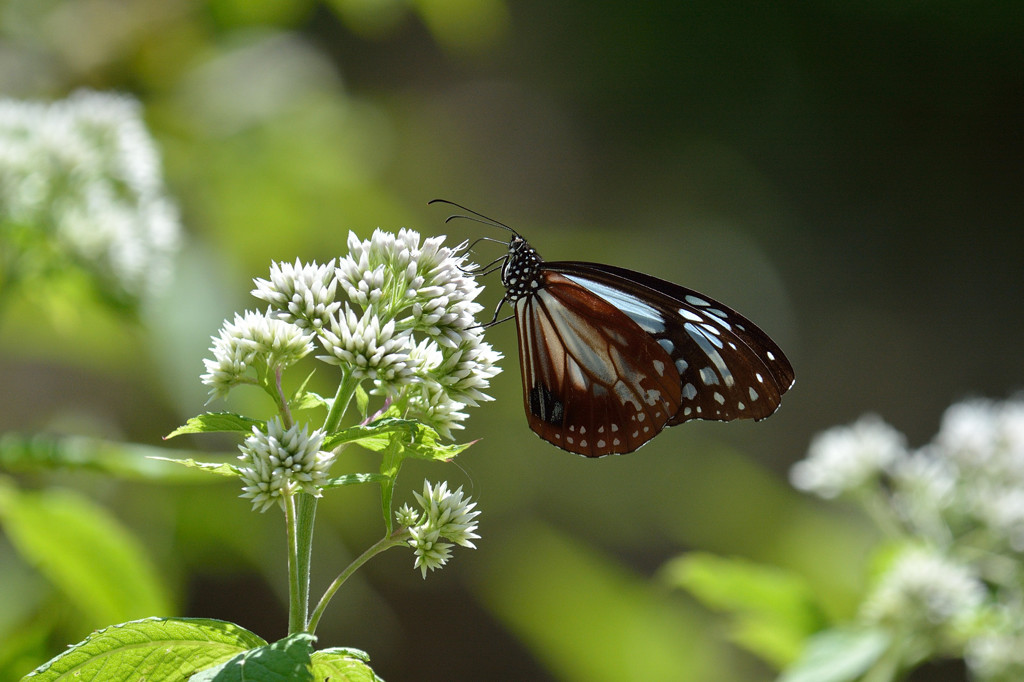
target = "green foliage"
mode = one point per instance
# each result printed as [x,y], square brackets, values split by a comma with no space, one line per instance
[128,461]
[217,422]
[282,661]
[202,650]
[342,663]
[151,649]
[591,620]
[773,610]
[84,551]
[415,439]
[840,655]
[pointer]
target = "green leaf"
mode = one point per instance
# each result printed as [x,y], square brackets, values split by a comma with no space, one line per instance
[217,422]
[123,460]
[149,649]
[362,400]
[353,479]
[85,552]
[222,468]
[307,401]
[418,439]
[341,664]
[283,661]
[839,655]
[774,610]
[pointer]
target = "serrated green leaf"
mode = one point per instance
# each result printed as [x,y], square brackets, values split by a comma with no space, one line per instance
[286,660]
[341,664]
[354,479]
[222,468]
[774,610]
[85,552]
[416,438]
[838,655]
[148,649]
[124,460]
[217,422]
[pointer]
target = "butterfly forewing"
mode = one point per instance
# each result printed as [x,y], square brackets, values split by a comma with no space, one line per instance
[729,368]
[594,382]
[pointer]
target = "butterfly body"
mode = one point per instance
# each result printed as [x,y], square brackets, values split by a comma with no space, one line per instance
[610,357]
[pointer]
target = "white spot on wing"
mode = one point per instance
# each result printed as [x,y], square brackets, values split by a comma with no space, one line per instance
[709,344]
[645,315]
[690,315]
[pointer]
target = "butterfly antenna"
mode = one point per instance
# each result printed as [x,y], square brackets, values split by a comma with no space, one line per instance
[476,217]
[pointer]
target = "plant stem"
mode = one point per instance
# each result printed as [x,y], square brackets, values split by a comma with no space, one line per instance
[305,517]
[301,525]
[346,389]
[296,602]
[385,543]
[282,401]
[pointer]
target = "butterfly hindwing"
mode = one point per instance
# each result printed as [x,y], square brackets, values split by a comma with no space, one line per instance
[594,382]
[729,368]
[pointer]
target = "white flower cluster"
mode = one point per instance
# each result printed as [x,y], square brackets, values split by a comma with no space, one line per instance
[970,475]
[845,458]
[252,340]
[958,505]
[399,312]
[927,587]
[447,519]
[80,181]
[279,462]
[302,295]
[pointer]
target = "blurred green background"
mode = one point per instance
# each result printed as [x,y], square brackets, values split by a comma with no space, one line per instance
[848,175]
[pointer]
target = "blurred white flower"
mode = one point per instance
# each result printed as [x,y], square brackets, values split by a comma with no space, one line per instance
[845,458]
[997,655]
[986,438]
[924,589]
[279,462]
[924,489]
[80,183]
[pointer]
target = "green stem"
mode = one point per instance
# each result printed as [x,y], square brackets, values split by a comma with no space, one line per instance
[282,401]
[296,602]
[305,516]
[385,543]
[346,389]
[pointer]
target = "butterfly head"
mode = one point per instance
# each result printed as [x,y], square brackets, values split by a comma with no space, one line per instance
[521,272]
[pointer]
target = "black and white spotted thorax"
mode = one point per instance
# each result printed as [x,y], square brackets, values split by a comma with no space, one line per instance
[521,272]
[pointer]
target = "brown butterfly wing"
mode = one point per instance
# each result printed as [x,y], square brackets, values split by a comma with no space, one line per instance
[729,368]
[594,382]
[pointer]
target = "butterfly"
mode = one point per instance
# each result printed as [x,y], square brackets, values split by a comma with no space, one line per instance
[610,357]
